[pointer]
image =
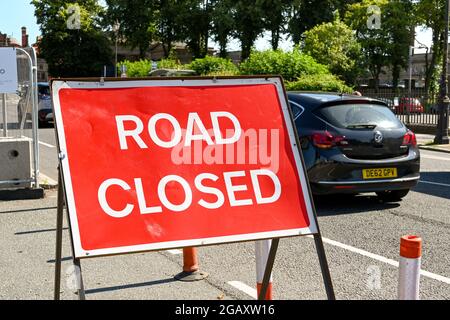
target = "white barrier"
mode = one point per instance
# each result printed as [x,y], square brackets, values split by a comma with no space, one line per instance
[409,268]
[262,249]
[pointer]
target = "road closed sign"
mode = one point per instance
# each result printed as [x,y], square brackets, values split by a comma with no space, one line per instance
[160,164]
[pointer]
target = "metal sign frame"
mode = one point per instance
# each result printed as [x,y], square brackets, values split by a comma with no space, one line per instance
[66,197]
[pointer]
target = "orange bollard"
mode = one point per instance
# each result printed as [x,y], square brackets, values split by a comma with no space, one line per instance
[190,260]
[409,268]
[190,267]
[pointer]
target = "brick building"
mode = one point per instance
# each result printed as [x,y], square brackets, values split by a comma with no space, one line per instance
[8,41]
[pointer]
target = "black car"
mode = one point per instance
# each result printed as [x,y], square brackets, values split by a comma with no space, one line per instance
[354,144]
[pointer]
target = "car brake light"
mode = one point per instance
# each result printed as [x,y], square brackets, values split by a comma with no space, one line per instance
[325,140]
[409,139]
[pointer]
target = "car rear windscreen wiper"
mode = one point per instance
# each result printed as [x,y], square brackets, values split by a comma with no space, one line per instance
[361,126]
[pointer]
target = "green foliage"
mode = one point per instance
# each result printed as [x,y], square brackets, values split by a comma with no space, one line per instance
[137,69]
[308,13]
[169,63]
[222,24]
[72,53]
[334,45]
[136,21]
[387,46]
[275,15]
[318,82]
[431,14]
[291,65]
[213,66]
[249,24]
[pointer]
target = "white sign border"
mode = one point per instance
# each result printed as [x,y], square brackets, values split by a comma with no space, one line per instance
[80,253]
[9,55]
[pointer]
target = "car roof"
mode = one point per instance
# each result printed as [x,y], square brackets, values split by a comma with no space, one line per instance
[319,99]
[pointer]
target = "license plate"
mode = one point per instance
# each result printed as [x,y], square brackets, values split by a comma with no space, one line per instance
[379,173]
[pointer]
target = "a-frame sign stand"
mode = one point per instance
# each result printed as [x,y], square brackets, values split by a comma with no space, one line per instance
[322,261]
[77,263]
[58,255]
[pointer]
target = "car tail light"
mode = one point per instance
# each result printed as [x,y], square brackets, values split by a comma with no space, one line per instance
[325,140]
[409,139]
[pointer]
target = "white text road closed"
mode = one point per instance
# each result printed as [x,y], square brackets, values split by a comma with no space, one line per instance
[128,191]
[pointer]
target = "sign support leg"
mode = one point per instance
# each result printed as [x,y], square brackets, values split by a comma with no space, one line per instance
[81,292]
[58,260]
[269,267]
[59,231]
[5,115]
[324,267]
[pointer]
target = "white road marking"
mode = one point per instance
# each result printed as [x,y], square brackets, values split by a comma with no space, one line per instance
[435,183]
[244,288]
[44,179]
[382,259]
[426,156]
[47,145]
[175,252]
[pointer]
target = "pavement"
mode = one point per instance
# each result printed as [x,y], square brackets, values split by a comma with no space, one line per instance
[426,142]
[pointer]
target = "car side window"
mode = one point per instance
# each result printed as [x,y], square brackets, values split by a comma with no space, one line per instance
[297,110]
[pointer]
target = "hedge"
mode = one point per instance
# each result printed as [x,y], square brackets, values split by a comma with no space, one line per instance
[291,65]
[319,82]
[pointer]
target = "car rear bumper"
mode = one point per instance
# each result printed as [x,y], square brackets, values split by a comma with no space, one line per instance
[330,187]
[342,175]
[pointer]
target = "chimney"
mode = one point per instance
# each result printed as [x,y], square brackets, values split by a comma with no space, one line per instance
[24,37]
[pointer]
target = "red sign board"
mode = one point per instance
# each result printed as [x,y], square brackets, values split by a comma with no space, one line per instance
[160,164]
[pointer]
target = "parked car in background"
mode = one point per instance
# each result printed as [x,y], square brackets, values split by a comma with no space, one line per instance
[354,145]
[45,111]
[409,105]
[172,73]
[389,102]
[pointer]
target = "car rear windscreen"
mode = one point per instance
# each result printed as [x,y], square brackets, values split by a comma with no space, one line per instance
[360,116]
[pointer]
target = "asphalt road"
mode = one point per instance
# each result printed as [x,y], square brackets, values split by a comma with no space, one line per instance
[361,238]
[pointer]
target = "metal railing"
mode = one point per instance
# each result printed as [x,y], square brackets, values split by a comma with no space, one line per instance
[412,108]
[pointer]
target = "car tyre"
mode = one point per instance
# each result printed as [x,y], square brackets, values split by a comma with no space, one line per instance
[392,196]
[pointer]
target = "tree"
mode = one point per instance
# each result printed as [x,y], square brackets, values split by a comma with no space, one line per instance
[222,24]
[169,27]
[275,17]
[80,49]
[387,45]
[335,45]
[431,14]
[249,24]
[137,22]
[400,24]
[306,14]
[195,21]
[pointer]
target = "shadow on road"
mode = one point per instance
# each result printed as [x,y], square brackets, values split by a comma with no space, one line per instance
[36,231]
[428,184]
[129,286]
[349,204]
[26,210]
